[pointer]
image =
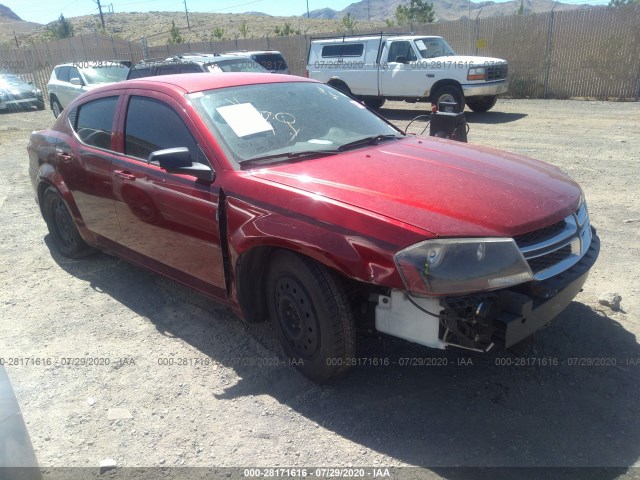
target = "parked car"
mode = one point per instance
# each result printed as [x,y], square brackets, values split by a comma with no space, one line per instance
[380,67]
[286,199]
[72,79]
[272,60]
[16,94]
[208,63]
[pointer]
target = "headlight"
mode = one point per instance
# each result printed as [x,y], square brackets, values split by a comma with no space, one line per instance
[463,265]
[477,73]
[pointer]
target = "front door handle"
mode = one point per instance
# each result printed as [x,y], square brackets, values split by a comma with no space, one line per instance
[63,156]
[124,175]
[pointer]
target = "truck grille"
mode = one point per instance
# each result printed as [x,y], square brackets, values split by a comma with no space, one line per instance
[555,248]
[497,72]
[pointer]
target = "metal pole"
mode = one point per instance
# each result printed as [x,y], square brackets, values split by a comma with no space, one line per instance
[470,45]
[547,60]
[307,8]
[186,12]
[100,10]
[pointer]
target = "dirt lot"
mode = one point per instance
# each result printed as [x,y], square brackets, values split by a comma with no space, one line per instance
[212,408]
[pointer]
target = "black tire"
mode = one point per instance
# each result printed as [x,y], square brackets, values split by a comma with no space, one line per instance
[311,316]
[482,104]
[343,87]
[56,108]
[449,93]
[61,226]
[374,102]
[40,105]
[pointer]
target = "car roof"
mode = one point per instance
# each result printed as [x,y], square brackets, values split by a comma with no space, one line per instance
[90,63]
[198,82]
[204,58]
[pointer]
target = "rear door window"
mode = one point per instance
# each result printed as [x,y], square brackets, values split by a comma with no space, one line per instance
[93,122]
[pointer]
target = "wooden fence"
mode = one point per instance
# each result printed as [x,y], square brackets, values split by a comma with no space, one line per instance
[593,53]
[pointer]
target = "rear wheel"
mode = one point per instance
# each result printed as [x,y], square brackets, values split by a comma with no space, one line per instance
[343,87]
[56,108]
[482,104]
[311,316]
[374,102]
[449,93]
[61,226]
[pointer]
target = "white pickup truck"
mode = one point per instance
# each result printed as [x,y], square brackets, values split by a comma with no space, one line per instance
[406,67]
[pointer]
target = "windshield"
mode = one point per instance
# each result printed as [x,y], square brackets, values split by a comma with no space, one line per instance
[431,47]
[271,61]
[106,74]
[256,121]
[236,65]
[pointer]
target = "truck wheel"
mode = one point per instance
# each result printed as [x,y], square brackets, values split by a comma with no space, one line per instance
[374,103]
[341,86]
[56,108]
[311,316]
[449,93]
[61,226]
[482,104]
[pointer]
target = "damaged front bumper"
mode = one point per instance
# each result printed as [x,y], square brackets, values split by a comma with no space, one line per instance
[483,320]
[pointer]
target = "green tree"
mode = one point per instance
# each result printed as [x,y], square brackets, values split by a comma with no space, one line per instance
[244,30]
[390,23]
[349,22]
[284,31]
[174,34]
[619,3]
[61,28]
[417,11]
[520,8]
[218,33]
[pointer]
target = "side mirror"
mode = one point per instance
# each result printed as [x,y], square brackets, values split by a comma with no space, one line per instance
[401,59]
[29,82]
[76,81]
[178,160]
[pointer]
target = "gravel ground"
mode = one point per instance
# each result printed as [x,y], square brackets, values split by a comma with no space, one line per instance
[208,406]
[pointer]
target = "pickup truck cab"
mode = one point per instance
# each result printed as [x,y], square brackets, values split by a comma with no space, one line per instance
[406,67]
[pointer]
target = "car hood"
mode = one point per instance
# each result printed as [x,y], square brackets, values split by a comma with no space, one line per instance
[16,89]
[444,187]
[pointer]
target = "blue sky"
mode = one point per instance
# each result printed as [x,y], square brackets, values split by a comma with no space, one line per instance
[45,12]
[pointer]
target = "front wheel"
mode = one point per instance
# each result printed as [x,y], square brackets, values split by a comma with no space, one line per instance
[61,226]
[482,104]
[311,316]
[450,94]
[56,108]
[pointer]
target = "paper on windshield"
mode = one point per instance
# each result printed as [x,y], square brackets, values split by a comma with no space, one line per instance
[244,119]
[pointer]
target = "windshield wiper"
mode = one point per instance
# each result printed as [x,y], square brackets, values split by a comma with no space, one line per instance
[285,156]
[373,140]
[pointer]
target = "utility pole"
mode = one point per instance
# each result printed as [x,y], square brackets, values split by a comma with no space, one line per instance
[100,10]
[186,12]
[307,8]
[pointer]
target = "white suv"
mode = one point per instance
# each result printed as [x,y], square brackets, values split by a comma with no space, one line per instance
[72,79]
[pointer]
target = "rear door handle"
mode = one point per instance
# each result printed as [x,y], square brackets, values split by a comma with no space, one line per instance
[125,175]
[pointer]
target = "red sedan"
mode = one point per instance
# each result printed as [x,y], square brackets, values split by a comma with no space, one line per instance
[289,201]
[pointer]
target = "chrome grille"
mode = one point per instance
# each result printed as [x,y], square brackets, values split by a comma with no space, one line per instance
[497,72]
[555,248]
